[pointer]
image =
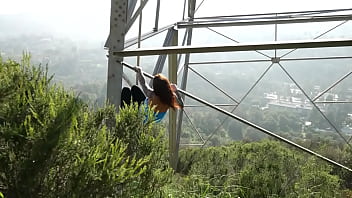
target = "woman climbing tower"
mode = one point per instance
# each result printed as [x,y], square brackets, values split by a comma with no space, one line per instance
[162,96]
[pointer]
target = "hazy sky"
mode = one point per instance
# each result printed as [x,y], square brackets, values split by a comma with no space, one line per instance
[90,18]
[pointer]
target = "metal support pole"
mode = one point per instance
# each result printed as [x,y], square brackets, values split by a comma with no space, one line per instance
[156,25]
[191,11]
[115,41]
[173,147]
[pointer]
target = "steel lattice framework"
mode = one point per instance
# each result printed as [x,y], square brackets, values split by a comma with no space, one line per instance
[124,13]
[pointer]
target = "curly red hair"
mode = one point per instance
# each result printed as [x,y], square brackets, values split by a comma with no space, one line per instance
[162,88]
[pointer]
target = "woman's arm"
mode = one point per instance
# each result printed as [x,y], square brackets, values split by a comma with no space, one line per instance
[148,91]
[177,95]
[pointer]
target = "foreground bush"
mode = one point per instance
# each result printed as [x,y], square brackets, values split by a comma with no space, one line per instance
[262,169]
[53,145]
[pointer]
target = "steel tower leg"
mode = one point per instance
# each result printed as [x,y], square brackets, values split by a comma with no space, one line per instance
[191,11]
[172,113]
[115,41]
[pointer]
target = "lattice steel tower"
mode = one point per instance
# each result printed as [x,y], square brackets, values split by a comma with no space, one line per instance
[198,49]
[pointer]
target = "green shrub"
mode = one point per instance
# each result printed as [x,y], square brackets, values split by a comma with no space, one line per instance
[262,169]
[53,145]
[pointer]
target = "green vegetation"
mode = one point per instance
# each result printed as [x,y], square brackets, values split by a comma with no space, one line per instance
[52,144]
[263,169]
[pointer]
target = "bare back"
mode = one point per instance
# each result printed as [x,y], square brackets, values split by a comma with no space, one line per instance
[159,106]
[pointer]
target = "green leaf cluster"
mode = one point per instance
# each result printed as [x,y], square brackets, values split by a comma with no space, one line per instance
[54,145]
[257,169]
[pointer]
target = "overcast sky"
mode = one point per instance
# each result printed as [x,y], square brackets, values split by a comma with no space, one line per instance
[90,18]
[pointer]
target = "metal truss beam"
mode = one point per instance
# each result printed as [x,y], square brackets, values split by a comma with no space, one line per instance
[162,58]
[218,105]
[134,41]
[194,127]
[131,6]
[242,120]
[333,102]
[331,86]
[315,105]
[236,47]
[248,123]
[268,60]
[267,19]
[282,14]
[136,14]
[156,24]
[214,85]
[242,99]
[249,22]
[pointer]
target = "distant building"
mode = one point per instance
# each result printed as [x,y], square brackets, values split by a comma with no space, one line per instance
[294,106]
[270,96]
[347,130]
[297,103]
[296,91]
